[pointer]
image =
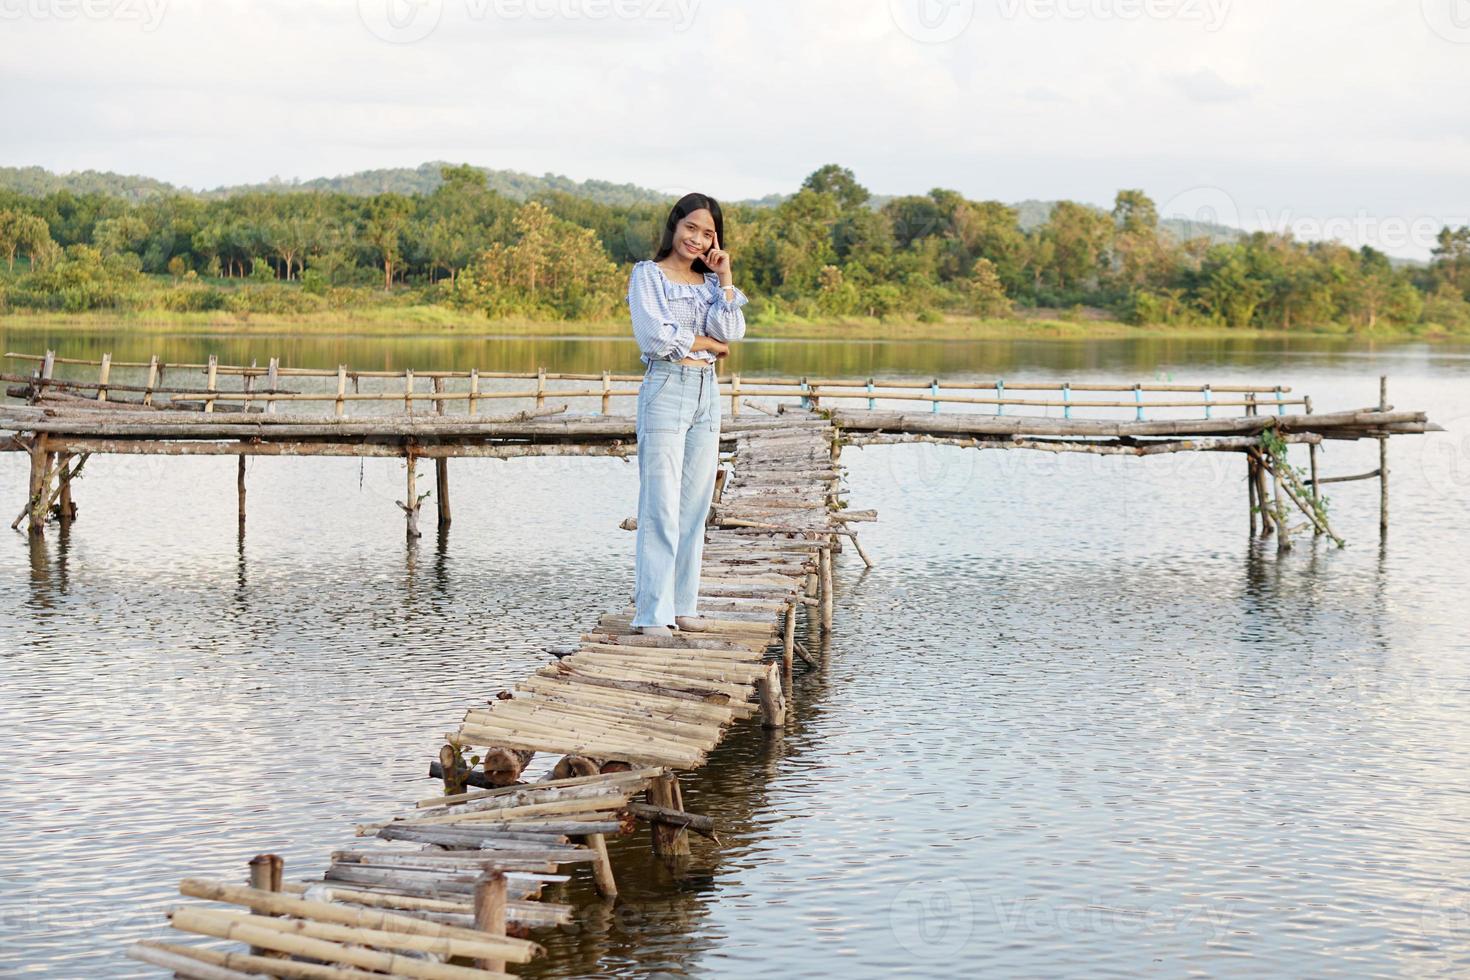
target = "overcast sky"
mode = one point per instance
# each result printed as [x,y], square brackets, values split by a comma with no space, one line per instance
[1290,113]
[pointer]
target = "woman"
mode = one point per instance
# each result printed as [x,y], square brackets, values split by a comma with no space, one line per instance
[686,312]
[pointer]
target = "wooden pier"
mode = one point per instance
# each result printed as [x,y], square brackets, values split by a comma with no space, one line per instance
[536,779]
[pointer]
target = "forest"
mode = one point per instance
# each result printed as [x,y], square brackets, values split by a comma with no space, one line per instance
[830,252]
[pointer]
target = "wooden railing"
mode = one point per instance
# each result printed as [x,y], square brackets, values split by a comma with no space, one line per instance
[263,385]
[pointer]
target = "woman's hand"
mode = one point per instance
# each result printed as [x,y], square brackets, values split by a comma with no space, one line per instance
[718,261]
[703,342]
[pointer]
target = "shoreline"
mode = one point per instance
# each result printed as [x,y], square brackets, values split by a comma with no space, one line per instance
[429,321]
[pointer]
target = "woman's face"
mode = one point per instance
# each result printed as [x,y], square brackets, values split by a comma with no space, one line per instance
[694,234]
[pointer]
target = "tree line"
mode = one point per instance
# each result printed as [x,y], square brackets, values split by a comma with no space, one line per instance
[828,251]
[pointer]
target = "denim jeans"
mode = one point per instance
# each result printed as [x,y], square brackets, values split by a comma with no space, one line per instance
[678,452]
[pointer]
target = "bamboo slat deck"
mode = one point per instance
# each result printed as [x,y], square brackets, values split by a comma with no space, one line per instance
[621,713]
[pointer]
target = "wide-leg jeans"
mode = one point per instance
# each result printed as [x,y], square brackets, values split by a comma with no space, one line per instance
[678,429]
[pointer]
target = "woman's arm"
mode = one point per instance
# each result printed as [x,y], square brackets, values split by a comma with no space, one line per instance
[726,320]
[654,328]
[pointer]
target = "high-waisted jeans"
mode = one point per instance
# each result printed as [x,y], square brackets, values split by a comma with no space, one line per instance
[678,453]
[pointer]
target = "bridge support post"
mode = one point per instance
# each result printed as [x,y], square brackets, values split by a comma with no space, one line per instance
[668,841]
[441,466]
[1383,461]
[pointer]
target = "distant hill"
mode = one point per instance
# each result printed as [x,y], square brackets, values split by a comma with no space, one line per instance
[38,182]
[423,179]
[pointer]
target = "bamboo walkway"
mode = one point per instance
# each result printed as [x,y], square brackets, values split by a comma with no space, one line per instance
[453,887]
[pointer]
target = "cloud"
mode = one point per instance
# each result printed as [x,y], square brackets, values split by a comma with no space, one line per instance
[1205,85]
[746,97]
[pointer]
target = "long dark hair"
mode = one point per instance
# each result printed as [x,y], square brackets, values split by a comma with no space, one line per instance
[686,206]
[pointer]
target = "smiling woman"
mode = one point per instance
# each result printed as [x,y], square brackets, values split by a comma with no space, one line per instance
[686,311]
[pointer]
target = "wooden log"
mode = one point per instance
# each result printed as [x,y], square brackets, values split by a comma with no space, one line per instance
[575,745]
[266,871]
[67,510]
[490,900]
[34,511]
[503,766]
[668,840]
[773,701]
[452,770]
[651,813]
[618,781]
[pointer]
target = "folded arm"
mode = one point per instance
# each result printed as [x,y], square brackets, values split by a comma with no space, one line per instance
[725,320]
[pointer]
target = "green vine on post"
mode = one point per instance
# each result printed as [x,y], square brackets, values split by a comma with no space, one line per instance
[1295,481]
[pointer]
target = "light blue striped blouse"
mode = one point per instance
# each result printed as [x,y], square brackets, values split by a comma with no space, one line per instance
[668,315]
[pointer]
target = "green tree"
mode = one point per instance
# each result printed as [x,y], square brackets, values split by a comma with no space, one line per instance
[387,219]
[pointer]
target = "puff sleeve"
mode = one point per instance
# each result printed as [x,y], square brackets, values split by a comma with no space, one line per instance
[725,320]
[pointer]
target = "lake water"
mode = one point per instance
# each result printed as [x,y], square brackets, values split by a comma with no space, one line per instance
[1074,723]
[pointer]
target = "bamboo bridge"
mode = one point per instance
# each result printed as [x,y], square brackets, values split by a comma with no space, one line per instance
[593,744]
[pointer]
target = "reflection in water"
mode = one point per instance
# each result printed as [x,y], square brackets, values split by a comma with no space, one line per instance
[1073,723]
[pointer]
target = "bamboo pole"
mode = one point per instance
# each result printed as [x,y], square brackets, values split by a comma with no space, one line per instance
[1250,491]
[827,603]
[788,636]
[295,939]
[540,387]
[339,408]
[371,918]
[411,505]
[265,875]
[104,371]
[602,872]
[151,381]
[212,378]
[474,393]
[490,899]
[441,467]
[1383,461]
[272,382]
[1312,462]
[1283,530]
[191,964]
